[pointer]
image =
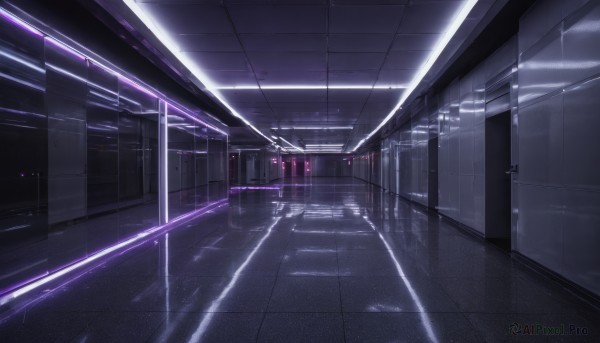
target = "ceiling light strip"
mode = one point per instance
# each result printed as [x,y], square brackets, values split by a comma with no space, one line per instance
[324,145]
[292,145]
[313,128]
[186,61]
[306,87]
[433,56]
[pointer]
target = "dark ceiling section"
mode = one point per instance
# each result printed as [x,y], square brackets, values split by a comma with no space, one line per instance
[88,24]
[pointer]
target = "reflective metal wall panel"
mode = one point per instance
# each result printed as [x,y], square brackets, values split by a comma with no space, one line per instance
[24,154]
[201,165]
[138,159]
[543,85]
[581,120]
[102,141]
[541,142]
[217,167]
[183,163]
[540,228]
[581,235]
[80,146]
[558,182]
[541,68]
[66,94]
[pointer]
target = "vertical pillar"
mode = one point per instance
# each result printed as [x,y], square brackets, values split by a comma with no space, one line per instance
[226,161]
[163,163]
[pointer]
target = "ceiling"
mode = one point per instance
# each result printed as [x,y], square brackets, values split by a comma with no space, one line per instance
[313,72]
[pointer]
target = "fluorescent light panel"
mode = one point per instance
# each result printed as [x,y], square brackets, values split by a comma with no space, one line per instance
[313,128]
[433,56]
[305,87]
[324,145]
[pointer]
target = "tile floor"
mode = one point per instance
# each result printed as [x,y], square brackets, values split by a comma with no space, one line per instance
[327,260]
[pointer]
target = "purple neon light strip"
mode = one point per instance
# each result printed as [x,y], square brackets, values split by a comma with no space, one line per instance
[254,187]
[67,48]
[16,309]
[15,20]
[16,291]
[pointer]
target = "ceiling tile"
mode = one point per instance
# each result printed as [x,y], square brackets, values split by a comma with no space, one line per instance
[429,17]
[385,96]
[395,77]
[360,42]
[369,2]
[290,61]
[299,107]
[231,78]
[405,59]
[189,18]
[275,2]
[352,77]
[279,19]
[424,41]
[348,95]
[299,117]
[284,42]
[208,42]
[305,95]
[364,19]
[352,61]
[291,77]
[344,107]
[246,96]
[219,60]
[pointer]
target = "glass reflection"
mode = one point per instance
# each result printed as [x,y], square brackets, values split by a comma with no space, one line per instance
[187,164]
[80,143]
[24,151]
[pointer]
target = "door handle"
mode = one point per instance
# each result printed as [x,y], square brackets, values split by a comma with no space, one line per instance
[513,169]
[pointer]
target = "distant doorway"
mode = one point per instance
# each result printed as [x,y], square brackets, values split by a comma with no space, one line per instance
[300,168]
[498,179]
[287,169]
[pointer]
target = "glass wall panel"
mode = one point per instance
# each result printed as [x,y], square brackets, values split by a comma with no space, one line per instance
[66,97]
[217,166]
[102,158]
[24,154]
[181,164]
[201,156]
[138,159]
[79,145]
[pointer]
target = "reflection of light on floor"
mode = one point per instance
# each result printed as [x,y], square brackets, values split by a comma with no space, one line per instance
[114,250]
[309,273]
[217,302]
[167,289]
[425,321]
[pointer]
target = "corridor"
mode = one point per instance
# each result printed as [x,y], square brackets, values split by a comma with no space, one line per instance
[313,260]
